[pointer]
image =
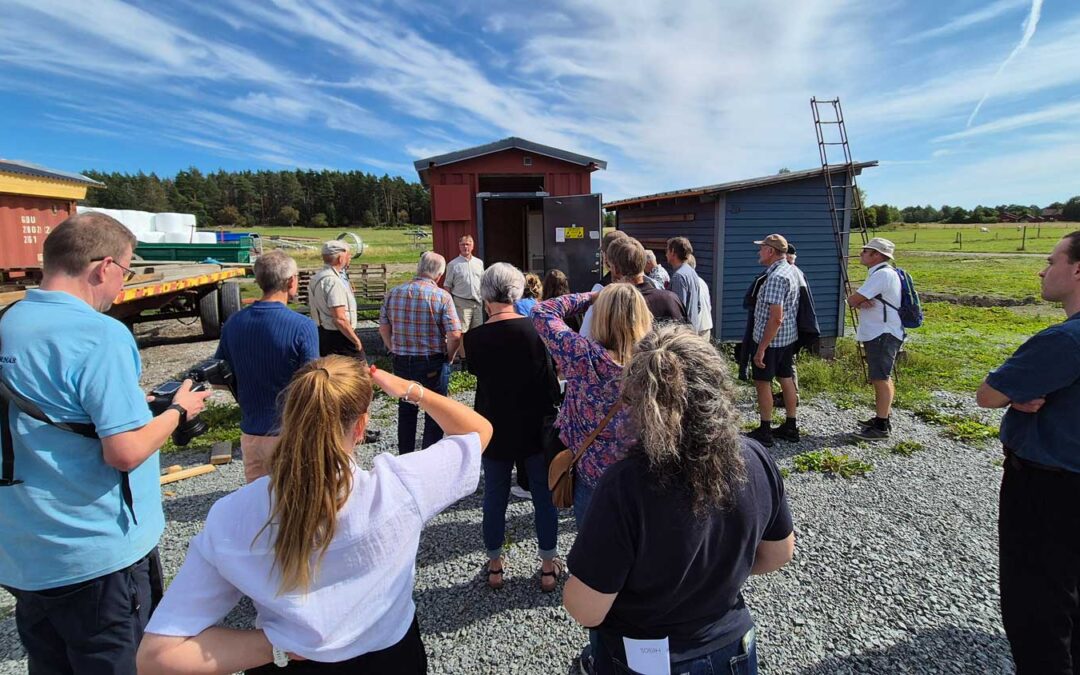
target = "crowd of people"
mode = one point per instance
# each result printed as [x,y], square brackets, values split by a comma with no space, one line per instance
[614,402]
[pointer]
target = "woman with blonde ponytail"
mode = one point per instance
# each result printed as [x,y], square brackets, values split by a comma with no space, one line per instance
[325,549]
[676,528]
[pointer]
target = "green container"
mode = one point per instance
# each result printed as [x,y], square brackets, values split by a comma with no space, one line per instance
[234,251]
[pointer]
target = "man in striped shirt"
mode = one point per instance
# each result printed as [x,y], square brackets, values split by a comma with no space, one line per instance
[420,328]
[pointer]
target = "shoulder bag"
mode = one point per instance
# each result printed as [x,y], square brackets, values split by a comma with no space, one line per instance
[561,469]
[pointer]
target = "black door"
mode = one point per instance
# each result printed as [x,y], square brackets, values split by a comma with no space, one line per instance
[572,239]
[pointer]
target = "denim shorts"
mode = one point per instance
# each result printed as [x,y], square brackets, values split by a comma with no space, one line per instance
[881,355]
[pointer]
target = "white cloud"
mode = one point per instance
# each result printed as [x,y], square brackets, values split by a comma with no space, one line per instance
[1055,113]
[965,21]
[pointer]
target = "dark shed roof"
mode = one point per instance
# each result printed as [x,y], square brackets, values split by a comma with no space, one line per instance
[744,184]
[507,144]
[29,169]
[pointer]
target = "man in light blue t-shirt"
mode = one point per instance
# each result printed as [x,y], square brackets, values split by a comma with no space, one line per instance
[80,516]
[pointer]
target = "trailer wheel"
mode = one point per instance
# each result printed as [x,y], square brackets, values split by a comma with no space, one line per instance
[230,300]
[209,315]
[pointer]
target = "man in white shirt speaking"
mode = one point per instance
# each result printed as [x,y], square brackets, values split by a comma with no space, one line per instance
[463,281]
[879,331]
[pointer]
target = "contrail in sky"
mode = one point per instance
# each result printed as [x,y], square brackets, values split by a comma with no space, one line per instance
[1029,31]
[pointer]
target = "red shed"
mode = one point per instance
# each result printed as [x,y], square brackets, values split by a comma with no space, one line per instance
[33,200]
[527,204]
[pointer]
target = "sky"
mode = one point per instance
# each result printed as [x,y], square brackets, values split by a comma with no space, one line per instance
[962,102]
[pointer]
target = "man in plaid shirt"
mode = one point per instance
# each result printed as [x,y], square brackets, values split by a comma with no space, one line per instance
[420,328]
[775,333]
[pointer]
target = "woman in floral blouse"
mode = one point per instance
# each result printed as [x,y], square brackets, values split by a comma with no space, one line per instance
[593,369]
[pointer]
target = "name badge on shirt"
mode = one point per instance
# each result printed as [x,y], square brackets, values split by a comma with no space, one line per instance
[648,657]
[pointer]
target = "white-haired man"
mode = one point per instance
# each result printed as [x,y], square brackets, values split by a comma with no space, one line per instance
[419,326]
[333,303]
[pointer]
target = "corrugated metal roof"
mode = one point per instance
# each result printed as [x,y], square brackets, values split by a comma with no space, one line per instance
[29,169]
[507,144]
[734,185]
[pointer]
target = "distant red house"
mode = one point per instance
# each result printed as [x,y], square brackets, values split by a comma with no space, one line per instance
[1050,214]
[1006,217]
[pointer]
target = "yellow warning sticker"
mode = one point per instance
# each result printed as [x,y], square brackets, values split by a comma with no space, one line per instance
[575,233]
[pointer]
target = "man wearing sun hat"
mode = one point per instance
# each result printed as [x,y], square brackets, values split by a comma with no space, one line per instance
[775,334]
[879,331]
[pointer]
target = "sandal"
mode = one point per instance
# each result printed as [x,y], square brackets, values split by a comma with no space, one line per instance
[558,568]
[497,582]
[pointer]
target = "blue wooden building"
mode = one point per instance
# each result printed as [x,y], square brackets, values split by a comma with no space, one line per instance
[722,222]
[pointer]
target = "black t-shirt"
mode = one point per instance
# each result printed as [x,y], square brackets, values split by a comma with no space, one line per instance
[678,574]
[664,305]
[516,386]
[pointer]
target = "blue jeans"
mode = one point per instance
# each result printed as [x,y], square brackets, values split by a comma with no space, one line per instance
[732,659]
[432,372]
[497,494]
[582,497]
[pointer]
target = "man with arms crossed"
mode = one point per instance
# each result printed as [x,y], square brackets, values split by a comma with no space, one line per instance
[80,511]
[879,331]
[1039,511]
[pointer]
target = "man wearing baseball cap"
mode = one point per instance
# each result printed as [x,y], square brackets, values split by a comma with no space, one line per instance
[775,333]
[333,303]
[880,331]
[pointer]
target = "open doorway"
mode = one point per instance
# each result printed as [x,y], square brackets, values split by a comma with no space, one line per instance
[512,231]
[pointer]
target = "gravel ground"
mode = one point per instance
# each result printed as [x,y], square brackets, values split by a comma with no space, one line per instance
[894,572]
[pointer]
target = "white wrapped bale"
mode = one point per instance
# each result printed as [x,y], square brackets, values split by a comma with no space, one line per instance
[151,237]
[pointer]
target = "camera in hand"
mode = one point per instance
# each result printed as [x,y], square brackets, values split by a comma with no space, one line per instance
[202,375]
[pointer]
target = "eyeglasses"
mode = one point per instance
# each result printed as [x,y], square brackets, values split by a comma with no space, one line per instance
[129,273]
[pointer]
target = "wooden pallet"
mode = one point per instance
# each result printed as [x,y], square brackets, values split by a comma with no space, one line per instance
[369,283]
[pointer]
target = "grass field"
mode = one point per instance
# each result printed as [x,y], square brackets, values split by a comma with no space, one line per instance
[1001,238]
[381,245]
[1011,277]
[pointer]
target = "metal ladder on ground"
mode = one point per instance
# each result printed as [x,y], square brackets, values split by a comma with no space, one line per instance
[846,213]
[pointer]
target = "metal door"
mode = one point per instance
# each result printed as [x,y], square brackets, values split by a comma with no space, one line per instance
[572,238]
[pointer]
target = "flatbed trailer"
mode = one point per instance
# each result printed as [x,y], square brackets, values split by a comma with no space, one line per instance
[165,290]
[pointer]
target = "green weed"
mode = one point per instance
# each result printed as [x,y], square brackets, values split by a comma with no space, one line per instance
[830,462]
[461,382]
[907,448]
[959,427]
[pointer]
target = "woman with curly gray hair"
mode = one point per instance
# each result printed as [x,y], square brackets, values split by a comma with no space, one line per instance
[675,529]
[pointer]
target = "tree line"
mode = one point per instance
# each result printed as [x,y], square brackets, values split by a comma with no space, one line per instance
[879,215]
[249,198]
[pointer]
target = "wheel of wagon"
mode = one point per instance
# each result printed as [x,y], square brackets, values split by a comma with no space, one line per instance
[209,314]
[356,242]
[230,300]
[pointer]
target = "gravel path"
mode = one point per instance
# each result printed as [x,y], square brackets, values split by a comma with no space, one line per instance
[894,572]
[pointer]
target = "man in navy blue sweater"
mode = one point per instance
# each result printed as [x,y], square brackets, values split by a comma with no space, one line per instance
[265,344]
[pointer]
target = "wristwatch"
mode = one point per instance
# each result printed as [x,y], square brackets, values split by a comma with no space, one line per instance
[281,657]
[180,409]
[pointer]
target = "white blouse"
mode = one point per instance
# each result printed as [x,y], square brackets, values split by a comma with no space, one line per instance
[360,600]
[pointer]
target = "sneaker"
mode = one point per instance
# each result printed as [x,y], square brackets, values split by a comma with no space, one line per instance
[867,422]
[872,433]
[761,435]
[520,492]
[787,433]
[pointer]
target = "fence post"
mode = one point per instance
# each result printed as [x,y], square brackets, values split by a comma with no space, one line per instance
[915,237]
[960,240]
[1023,240]
[1038,232]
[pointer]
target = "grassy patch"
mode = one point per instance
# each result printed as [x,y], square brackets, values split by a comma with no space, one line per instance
[381,245]
[461,382]
[1001,238]
[907,448]
[224,422]
[1012,277]
[953,351]
[828,461]
[959,427]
